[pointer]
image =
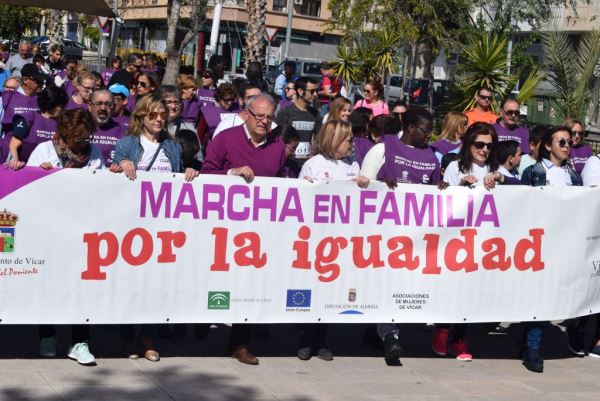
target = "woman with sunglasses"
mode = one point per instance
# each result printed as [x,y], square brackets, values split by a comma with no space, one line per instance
[206,91]
[477,164]
[373,91]
[147,147]
[453,129]
[144,84]
[552,168]
[581,151]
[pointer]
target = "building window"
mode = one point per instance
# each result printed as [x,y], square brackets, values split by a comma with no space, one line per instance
[311,8]
[280,6]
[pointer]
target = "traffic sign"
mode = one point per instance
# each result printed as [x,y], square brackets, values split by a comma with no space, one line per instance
[270,33]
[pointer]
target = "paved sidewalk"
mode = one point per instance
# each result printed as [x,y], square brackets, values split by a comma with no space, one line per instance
[195,371]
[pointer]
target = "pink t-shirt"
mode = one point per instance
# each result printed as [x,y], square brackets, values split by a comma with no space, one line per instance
[378,108]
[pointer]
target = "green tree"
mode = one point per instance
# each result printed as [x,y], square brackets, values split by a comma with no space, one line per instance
[14,21]
[571,71]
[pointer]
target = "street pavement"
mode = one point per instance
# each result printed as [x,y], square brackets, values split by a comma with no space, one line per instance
[192,370]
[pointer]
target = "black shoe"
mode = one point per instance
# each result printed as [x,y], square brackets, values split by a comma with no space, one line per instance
[532,360]
[325,354]
[575,341]
[496,330]
[305,353]
[391,347]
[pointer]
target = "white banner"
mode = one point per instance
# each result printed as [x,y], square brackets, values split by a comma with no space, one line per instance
[80,246]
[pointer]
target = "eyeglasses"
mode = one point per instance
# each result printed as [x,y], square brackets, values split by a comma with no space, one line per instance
[100,104]
[87,88]
[563,143]
[480,145]
[512,113]
[153,115]
[228,100]
[488,98]
[312,91]
[142,84]
[260,117]
[10,88]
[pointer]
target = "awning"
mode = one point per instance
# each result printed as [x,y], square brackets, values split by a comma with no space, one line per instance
[91,7]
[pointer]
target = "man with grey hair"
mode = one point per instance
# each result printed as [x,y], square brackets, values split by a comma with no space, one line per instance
[247,150]
[17,61]
[109,131]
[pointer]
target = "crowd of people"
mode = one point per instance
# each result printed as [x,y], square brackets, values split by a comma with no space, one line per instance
[56,114]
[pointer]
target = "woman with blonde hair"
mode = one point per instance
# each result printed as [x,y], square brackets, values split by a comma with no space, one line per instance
[85,83]
[339,109]
[581,151]
[453,129]
[72,72]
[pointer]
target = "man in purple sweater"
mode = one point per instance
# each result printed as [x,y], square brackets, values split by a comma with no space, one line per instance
[508,128]
[247,150]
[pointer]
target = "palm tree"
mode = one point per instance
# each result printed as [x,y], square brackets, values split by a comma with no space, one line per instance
[347,65]
[256,30]
[571,70]
[54,25]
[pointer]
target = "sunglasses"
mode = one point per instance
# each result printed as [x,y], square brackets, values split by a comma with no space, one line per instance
[288,89]
[228,100]
[153,115]
[396,114]
[580,133]
[512,113]
[488,98]
[312,91]
[480,145]
[207,76]
[142,84]
[563,143]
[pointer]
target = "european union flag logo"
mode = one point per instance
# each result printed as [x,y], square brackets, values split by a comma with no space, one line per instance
[298,298]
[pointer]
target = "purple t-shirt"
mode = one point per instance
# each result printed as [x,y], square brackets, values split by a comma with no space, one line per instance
[519,134]
[284,104]
[123,122]
[407,164]
[72,105]
[205,96]
[361,148]
[105,139]
[232,149]
[15,102]
[131,101]
[69,88]
[579,156]
[191,109]
[41,129]
[444,146]
[212,116]
[106,74]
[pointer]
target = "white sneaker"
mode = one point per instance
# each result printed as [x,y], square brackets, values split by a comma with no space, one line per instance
[48,347]
[80,352]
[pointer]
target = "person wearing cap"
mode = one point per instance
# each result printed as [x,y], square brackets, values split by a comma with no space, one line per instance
[21,101]
[120,112]
[17,61]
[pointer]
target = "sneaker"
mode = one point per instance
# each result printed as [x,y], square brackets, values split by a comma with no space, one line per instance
[391,347]
[459,349]
[80,352]
[595,352]
[439,341]
[304,353]
[532,360]
[48,347]
[575,341]
[325,354]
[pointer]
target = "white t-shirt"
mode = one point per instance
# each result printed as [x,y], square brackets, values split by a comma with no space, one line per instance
[45,153]
[320,168]
[453,175]
[591,172]
[502,170]
[161,164]
[556,176]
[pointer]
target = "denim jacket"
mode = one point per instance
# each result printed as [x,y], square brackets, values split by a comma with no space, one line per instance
[130,148]
[535,176]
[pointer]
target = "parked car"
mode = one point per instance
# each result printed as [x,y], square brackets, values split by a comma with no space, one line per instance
[71,48]
[304,67]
